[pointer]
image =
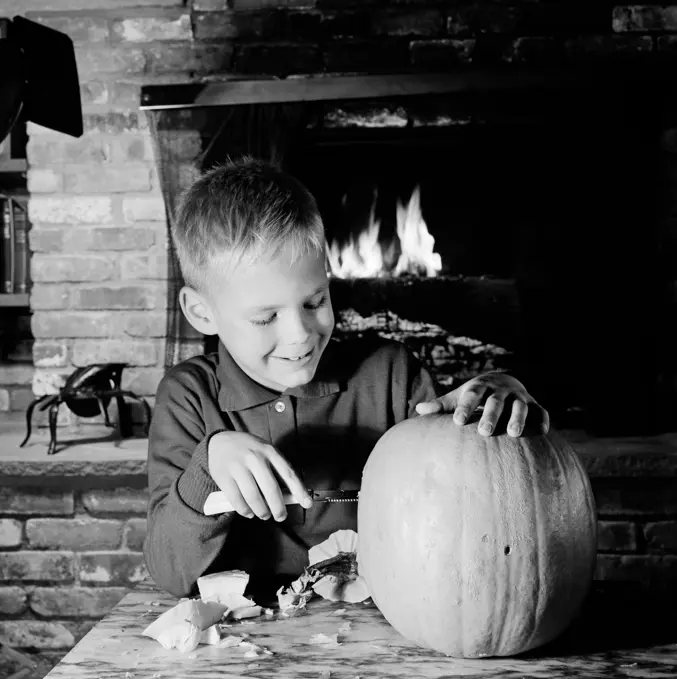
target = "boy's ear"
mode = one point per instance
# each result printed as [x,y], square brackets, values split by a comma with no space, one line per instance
[197,310]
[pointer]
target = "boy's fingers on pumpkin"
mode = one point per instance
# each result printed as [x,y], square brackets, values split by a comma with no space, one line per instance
[468,402]
[518,417]
[493,407]
[429,407]
[545,418]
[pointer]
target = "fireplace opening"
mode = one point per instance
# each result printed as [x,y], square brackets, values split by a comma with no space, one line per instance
[516,230]
[416,203]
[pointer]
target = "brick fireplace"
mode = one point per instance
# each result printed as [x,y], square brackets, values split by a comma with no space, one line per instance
[552,208]
[529,186]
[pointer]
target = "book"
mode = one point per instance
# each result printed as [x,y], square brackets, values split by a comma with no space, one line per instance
[8,246]
[20,249]
[14,267]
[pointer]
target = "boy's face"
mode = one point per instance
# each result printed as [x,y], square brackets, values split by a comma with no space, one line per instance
[275,317]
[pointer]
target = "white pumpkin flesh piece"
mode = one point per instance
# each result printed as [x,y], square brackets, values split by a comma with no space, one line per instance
[182,626]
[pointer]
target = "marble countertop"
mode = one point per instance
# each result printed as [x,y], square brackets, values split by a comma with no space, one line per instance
[620,633]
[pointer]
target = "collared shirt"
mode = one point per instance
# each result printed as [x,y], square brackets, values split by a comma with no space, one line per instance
[325,429]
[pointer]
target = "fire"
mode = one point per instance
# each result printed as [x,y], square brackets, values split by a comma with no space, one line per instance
[363,256]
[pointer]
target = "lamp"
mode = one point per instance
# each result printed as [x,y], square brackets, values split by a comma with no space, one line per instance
[38,78]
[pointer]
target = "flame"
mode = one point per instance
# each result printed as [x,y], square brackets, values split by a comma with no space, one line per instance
[361,258]
[364,257]
[418,255]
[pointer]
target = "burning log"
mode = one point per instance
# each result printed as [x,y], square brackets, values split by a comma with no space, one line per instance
[483,308]
[451,358]
[459,326]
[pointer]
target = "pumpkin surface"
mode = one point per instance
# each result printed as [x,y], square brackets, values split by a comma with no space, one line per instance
[475,546]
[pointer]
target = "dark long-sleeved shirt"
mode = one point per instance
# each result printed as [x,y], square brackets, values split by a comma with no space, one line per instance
[325,429]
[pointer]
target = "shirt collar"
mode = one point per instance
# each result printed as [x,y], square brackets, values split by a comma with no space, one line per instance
[238,391]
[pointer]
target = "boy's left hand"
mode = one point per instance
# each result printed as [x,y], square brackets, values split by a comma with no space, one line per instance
[493,390]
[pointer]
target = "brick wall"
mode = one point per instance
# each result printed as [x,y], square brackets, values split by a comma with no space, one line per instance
[98,251]
[637,530]
[98,224]
[66,558]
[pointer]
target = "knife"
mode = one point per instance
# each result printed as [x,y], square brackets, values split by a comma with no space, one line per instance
[217,503]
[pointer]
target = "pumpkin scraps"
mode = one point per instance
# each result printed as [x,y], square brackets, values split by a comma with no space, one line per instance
[204,620]
[332,573]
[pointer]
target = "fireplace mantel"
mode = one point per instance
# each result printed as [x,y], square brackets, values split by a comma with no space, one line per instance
[92,450]
[329,86]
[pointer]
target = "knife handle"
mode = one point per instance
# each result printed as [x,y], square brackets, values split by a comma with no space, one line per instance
[217,503]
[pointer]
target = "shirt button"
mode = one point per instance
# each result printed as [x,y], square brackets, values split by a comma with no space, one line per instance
[280,406]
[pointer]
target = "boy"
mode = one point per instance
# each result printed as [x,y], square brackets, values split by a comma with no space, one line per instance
[278,401]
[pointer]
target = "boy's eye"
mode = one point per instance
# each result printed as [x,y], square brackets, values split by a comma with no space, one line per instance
[310,305]
[264,321]
[318,304]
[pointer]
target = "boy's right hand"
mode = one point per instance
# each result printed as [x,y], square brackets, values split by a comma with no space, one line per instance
[242,467]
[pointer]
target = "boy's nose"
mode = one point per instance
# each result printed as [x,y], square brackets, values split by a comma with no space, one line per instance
[296,329]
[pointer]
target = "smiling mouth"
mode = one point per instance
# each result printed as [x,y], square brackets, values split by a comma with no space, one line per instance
[296,358]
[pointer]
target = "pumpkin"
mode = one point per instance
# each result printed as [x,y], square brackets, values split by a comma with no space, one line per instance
[475,546]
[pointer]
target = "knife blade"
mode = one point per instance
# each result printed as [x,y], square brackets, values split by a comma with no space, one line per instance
[217,502]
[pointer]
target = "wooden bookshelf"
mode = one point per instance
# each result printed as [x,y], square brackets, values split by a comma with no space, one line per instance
[17,299]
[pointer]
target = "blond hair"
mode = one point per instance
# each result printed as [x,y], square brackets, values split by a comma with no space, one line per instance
[243,208]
